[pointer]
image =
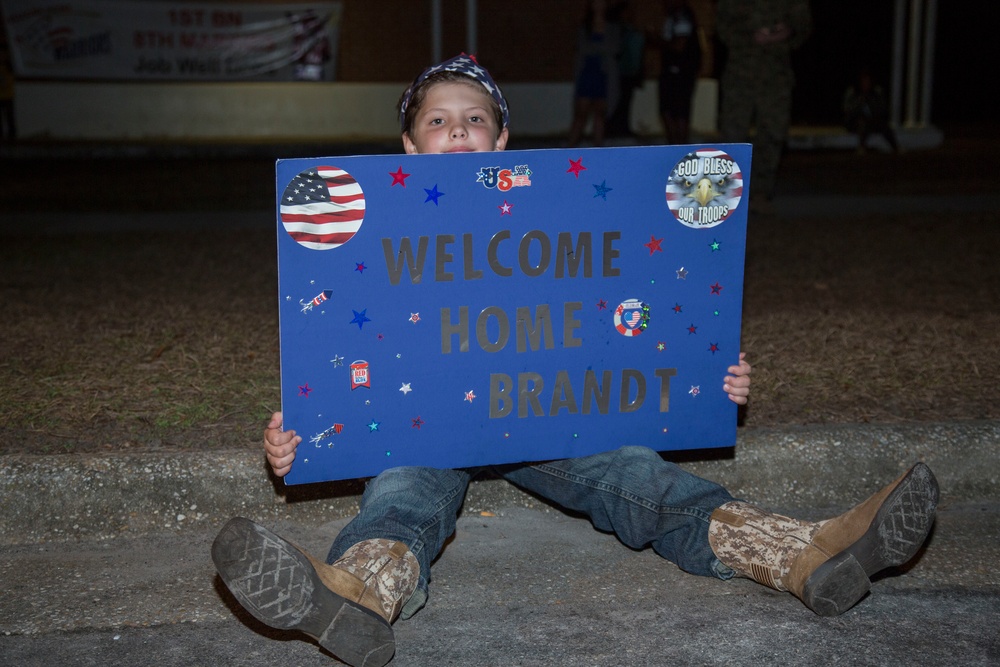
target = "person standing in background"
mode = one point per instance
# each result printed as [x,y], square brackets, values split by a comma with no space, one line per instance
[866,112]
[631,68]
[596,82]
[757,80]
[680,60]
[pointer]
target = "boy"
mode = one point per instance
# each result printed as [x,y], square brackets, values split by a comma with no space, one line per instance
[379,565]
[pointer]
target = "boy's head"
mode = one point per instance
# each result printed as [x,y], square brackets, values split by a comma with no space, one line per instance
[454,106]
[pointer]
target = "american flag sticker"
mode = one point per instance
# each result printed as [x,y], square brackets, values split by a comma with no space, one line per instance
[322,208]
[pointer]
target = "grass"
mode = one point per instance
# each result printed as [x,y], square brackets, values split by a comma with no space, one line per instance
[120,342]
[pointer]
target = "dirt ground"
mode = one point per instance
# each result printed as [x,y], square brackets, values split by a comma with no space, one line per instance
[125,341]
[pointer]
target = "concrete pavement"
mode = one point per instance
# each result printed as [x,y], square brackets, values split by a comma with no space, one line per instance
[108,496]
[105,560]
[522,587]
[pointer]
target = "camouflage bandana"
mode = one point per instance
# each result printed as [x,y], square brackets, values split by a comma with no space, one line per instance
[463,64]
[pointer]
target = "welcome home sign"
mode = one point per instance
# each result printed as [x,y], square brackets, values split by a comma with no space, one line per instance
[487,308]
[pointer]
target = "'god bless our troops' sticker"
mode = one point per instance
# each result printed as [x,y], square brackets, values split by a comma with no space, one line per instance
[704,188]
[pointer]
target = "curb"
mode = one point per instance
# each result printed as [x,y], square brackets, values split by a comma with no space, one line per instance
[102,496]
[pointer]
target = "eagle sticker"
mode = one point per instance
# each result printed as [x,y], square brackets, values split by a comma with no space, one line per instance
[704,188]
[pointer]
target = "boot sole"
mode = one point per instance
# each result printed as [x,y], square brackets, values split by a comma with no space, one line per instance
[277,584]
[894,536]
[901,524]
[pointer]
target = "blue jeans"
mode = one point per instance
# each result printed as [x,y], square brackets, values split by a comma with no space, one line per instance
[630,492]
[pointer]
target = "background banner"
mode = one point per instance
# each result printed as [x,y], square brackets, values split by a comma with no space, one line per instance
[101,39]
[485,308]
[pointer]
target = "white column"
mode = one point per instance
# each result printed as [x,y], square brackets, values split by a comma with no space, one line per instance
[436,31]
[913,63]
[898,42]
[471,27]
[930,26]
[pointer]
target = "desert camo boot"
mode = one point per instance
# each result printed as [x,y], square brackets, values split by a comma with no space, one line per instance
[348,606]
[828,564]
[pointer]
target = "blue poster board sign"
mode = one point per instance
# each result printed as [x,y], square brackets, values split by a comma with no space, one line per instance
[487,308]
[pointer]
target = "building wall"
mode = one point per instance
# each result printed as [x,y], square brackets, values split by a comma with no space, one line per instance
[528,45]
[518,40]
[289,111]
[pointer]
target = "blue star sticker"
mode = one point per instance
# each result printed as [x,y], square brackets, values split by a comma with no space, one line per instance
[360,318]
[602,190]
[373,426]
[433,194]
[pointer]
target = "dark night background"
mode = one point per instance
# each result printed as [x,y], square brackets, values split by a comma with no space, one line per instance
[847,34]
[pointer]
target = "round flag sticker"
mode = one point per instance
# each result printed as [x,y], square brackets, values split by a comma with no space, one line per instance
[322,208]
[704,188]
[631,317]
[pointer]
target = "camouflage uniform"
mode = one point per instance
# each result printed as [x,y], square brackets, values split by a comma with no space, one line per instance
[757,80]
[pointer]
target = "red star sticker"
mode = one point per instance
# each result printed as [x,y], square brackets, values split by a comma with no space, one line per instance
[360,267]
[677,308]
[654,244]
[398,177]
[417,422]
[602,305]
[717,289]
[304,389]
[713,348]
[576,166]
[505,209]
[692,329]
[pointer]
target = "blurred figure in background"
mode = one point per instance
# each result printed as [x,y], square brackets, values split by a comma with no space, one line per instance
[757,80]
[866,111]
[596,81]
[631,68]
[680,60]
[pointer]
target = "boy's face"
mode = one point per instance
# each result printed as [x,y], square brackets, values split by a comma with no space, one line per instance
[455,117]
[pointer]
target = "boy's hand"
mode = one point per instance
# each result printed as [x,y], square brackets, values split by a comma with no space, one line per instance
[737,383]
[280,446]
